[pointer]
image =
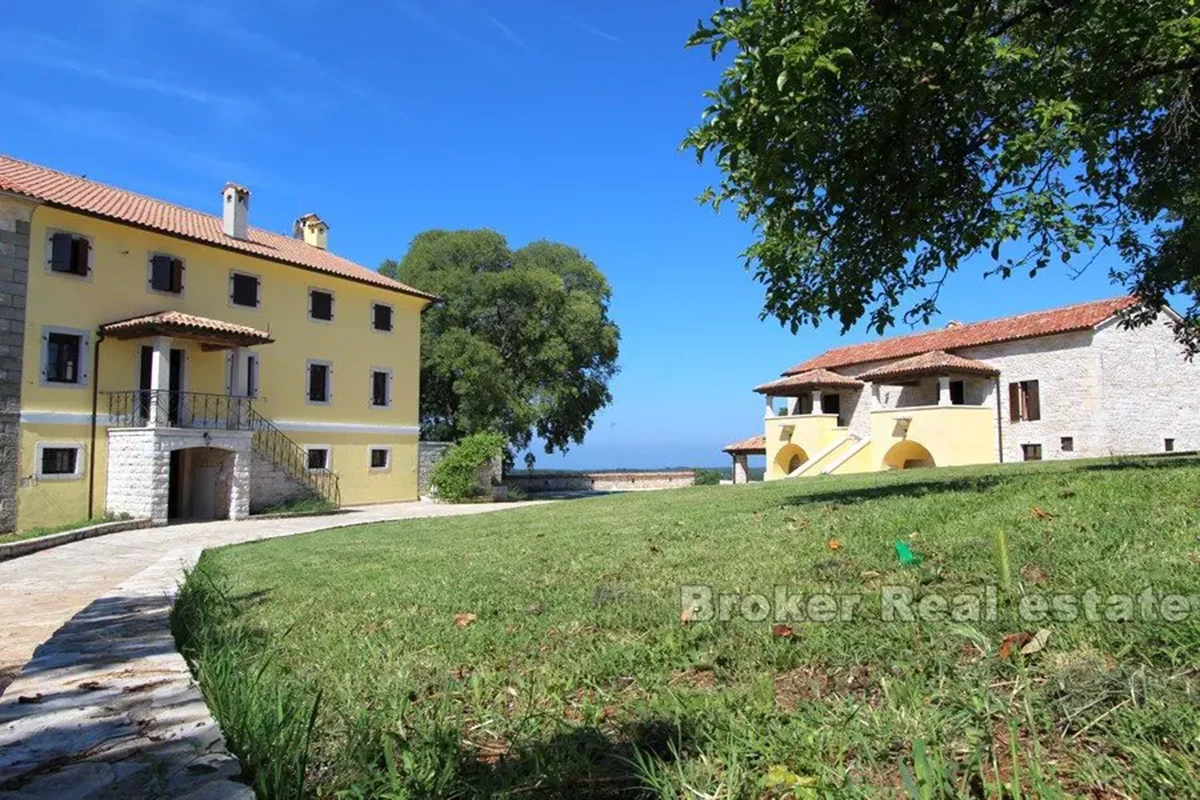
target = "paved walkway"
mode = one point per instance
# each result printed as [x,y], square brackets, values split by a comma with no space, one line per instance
[106,707]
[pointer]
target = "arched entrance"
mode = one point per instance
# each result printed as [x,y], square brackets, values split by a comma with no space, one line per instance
[908,455]
[789,459]
[201,483]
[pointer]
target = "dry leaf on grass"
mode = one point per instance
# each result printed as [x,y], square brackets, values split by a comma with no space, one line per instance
[687,615]
[1014,642]
[1036,644]
[1041,513]
[781,631]
[834,544]
[464,619]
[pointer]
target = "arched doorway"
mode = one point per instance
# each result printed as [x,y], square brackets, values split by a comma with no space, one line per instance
[789,459]
[908,455]
[200,484]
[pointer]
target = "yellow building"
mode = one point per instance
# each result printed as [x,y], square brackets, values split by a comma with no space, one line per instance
[162,362]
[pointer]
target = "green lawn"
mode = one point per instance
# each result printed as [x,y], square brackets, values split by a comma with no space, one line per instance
[576,677]
[37,533]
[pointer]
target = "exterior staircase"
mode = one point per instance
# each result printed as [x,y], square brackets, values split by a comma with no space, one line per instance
[825,458]
[272,444]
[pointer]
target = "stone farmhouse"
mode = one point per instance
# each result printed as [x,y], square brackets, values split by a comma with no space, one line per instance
[1064,383]
[166,363]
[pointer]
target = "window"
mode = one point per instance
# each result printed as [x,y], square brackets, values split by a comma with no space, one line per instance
[1068,444]
[318,457]
[59,461]
[243,290]
[250,365]
[70,254]
[381,388]
[381,317]
[319,373]
[166,274]
[1169,445]
[1032,452]
[320,305]
[62,358]
[380,457]
[958,393]
[1024,403]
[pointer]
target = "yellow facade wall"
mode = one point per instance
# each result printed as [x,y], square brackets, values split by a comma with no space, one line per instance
[952,435]
[806,434]
[118,288]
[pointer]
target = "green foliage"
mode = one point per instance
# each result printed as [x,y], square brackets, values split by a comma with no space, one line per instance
[456,477]
[877,145]
[522,342]
[707,477]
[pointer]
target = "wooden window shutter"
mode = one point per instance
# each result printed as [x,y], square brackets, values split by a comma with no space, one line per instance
[60,252]
[1033,401]
[176,275]
[1014,402]
[81,256]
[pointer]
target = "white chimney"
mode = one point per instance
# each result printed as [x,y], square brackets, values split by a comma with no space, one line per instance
[235,210]
[313,230]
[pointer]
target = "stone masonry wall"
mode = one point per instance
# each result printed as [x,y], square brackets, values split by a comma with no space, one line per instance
[429,454]
[272,486]
[15,216]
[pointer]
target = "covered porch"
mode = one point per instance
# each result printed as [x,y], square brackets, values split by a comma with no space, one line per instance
[741,452]
[806,415]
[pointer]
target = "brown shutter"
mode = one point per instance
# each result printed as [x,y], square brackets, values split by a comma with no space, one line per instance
[79,253]
[60,252]
[1014,402]
[1033,401]
[176,275]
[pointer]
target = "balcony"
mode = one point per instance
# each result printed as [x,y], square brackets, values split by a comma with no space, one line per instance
[165,409]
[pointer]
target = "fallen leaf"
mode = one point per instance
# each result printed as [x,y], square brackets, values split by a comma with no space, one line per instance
[834,544]
[464,619]
[798,524]
[536,608]
[869,575]
[781,631]
[1036,644]
[1013,642]
[686,616]
[1041,513]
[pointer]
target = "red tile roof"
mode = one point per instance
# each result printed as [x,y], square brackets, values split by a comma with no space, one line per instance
[174,323]
[937,362]
[106,202]
[813,379]
[1024,326]
[753,445]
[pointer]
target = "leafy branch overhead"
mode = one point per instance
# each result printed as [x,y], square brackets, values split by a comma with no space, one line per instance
[521,344]
[877,144]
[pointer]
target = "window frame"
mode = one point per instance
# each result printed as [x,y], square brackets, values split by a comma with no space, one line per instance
[258,294]
[91,255]
[332,305]
[1066,444]
[84,375]
[1026,449]
[39,455]
[252,387]
[391,317]
[1169,444]
[384,448]
[388,394]
[322,448]
[308,365]
[150,287]
[1019,394]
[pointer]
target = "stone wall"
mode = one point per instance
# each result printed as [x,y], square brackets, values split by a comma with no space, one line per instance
[15,216]
[599,481]
[429,454]
[272,486]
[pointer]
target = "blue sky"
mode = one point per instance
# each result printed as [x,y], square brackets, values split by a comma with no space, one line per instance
[540,119]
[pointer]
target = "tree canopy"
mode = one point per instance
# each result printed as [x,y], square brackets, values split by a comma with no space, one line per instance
[876,144]
[521,342]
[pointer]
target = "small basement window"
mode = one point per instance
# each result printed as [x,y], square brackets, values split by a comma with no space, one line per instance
[320,305]
[380,457]
[1032,452]
[58,462]
[318,458]
[1068,444]
[70,254]
[243,290]
[166,274]
[381,317]
[1169,445]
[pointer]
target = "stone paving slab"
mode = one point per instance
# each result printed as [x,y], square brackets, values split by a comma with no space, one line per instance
[106,707]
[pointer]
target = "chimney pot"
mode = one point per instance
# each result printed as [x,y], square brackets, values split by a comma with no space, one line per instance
[235,210]
[313,230]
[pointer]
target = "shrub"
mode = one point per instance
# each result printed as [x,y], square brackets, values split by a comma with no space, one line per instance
[707,477]
[456,476]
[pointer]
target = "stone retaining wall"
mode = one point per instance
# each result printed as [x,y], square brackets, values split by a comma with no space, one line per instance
[599,481]
[429,454]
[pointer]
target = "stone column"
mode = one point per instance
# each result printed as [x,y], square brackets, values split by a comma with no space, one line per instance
[943,391]
[816,401]
[741,473]
[770,407]
[239,489]
[160,382]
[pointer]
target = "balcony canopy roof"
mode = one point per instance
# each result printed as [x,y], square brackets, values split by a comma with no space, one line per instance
[754,446]
[936,362]
[212,334]
[805,382]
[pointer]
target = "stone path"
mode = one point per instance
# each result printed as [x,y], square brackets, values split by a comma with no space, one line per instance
[106,707]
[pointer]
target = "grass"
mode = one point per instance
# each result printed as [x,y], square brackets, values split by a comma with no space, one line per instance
[348,664]
[306,505]
[36,533]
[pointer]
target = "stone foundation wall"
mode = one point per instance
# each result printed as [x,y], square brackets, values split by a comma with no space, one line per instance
[15,217]
[272,486]
[600,481]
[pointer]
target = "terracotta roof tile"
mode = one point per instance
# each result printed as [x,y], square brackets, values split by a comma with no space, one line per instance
[178,322]
[1024,326]
[936,362]
[812,379]
[755,444]
[89,197]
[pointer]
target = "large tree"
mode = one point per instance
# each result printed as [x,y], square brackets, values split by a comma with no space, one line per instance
[877,144]
[521,342]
